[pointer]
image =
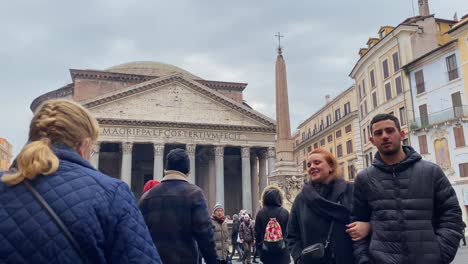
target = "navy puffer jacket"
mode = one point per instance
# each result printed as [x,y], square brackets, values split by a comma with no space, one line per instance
[413,211]
[100,212]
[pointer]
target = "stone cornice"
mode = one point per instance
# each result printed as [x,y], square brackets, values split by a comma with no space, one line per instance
[59,93]
[110,76]
[115,76]
[144,123]
[327,130]
[223,85]
[145,86]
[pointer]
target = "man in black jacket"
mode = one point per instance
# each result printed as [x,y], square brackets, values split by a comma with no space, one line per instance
[177,216]
[412,207]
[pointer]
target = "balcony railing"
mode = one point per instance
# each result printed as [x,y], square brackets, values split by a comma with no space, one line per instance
[440,117]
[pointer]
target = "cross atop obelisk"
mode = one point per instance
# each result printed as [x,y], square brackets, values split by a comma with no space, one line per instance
[279,41]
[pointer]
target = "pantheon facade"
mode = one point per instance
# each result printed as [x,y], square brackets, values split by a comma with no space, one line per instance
[145,109]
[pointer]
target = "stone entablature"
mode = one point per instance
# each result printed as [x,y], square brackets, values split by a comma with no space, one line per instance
[200,136]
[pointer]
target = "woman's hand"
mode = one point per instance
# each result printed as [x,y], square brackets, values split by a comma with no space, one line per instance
[358,230]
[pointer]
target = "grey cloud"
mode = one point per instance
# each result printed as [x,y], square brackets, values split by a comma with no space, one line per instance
[42,40]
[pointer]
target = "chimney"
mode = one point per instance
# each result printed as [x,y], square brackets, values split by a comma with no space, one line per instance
[327,98]
[423,7]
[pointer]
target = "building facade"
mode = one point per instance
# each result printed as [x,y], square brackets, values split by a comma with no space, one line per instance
[440,122]
[145,109]
[6,154]
[335,127]
[381,85]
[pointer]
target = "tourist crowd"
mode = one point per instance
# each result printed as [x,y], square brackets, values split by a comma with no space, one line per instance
[56,208]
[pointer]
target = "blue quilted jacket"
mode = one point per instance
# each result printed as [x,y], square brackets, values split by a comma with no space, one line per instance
[100,212]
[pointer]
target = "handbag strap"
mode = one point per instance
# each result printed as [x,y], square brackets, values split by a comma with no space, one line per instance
[56,218]
[329,234]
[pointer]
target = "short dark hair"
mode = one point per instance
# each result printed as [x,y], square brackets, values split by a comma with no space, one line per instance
[177,159]
[381,117]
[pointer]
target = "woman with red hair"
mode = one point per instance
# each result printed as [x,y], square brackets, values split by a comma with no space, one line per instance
[317,227]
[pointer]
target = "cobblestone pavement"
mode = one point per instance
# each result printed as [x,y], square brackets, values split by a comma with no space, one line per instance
[460,258]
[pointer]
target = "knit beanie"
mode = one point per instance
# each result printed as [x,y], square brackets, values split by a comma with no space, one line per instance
[177,159]
[150,184]
[217,206]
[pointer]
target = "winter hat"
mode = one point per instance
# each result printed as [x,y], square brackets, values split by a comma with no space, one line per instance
[150,184]
[217,206]
[177,159]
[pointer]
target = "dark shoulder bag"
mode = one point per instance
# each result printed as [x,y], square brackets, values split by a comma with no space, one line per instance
[318,250]
[57,220]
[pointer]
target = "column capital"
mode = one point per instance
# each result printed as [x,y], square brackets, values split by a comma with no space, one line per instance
[271,152]
[158,148]
[96,147]
[253,155]
[263,154]
[191,148]
[127,147]
[245,152]
[219,150]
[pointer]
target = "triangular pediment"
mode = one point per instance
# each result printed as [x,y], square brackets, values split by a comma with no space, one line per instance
[175,99]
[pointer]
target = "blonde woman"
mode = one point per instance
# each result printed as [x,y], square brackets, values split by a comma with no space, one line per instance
[101,221]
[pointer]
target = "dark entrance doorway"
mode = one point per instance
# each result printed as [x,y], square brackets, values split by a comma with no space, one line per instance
[142,167]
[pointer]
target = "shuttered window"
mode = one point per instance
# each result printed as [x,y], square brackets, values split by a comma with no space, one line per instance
[419,77]
[423,115]
[423,144]
[459,136]
[372,79]
[463,169]
[349,147]
[396,62]
[398,86]
[388,91]
[385,69]
[452,69]
[348,128]
[339,151]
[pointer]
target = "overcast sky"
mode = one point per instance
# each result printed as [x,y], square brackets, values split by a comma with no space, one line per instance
[216,40]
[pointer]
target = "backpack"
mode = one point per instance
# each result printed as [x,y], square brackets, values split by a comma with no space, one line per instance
[273,240]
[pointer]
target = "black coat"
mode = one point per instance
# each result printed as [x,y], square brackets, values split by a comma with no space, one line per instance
[311,217]
[178,220]
[235,231]
[413,211]
[272,201]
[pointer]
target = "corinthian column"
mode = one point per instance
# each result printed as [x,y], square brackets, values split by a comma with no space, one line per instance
[158,161]
[262,170]
[271,161]
[219,166]
[191,153]
[246,185]
[95,158]
[254,180]
[126,171]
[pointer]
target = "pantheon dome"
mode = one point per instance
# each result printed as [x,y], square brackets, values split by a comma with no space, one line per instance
[150,68]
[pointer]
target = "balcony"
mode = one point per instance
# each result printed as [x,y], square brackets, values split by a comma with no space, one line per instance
[440,117]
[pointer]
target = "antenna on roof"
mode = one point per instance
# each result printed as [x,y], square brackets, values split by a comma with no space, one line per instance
[455,17]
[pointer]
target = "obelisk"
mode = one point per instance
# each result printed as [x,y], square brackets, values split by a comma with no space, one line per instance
[285,168]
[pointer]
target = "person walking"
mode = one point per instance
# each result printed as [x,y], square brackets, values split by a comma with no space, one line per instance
[247,238]
[409,201]
[272,210]
[321,212]
[221,233]
[177,216]
[236,246]
[55,207]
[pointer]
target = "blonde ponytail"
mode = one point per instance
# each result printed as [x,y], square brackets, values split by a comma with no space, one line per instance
[35,158]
